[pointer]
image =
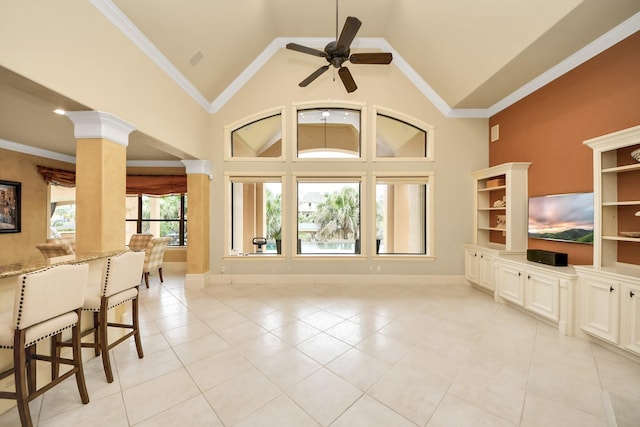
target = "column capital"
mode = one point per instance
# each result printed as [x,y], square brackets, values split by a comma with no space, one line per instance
[97,124]
[195,167]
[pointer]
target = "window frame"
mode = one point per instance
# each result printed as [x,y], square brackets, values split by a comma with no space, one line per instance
[302,106]
[250,177]
[238,124]
[427,177]
[337,178]
[427,128]
[182,220]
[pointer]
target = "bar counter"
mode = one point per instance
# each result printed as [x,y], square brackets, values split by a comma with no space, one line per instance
[9,273]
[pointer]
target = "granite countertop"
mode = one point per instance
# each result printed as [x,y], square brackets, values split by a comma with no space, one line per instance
[17,269]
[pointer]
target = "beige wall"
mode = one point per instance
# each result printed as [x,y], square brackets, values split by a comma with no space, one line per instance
[21,247]
[461,147]
[73,49]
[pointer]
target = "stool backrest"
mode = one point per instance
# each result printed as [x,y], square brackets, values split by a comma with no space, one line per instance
[122,272]
[44,294]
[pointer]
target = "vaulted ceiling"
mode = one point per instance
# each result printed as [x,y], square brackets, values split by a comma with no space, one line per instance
[471,53]
[470,58]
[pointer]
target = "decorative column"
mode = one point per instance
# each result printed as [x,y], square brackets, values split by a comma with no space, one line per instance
[198,182]
[101,176]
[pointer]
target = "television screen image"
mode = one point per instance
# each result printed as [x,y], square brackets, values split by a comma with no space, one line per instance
[562,217]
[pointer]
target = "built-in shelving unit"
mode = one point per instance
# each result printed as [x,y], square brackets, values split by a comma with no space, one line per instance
[609,291]
[500,220]
[501,207]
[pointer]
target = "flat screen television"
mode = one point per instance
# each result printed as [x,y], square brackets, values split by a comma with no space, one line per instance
[562,217]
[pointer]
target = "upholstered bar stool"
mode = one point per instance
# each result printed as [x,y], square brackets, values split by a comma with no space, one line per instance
[120,281]
[47,303]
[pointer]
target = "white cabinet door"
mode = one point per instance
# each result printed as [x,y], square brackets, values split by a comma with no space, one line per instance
[471,265]
[542,294]
[602,308]
[511,283]
[485,271]
[630,318]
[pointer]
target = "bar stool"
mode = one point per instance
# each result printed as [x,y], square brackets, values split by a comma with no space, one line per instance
[47,302]
[120,281]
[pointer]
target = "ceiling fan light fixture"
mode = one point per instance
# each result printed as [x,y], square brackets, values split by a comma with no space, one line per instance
[339,51]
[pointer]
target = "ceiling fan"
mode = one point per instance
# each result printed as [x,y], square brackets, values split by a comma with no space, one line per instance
[338,52]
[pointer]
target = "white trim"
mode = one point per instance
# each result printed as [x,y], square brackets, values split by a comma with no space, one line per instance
[198,167]
[599,45]
[335,279]
[97,124]
[34,151]
[195,281]
[117,18]
[137,37]
[155,163]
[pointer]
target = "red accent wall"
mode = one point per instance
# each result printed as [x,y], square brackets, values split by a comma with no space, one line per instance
[548,127]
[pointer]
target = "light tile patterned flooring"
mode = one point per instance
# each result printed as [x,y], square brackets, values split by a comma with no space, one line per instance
[345,355]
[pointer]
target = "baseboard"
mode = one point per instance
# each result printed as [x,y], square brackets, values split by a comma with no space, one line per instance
[195,281]
[333,279]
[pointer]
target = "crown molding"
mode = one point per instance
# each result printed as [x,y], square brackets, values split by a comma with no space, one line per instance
[155,163]
[599,45]
[115,15]
[137,37]
[195,167]
[97,124]
[34,151]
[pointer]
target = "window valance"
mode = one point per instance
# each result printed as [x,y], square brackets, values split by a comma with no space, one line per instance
[154,185]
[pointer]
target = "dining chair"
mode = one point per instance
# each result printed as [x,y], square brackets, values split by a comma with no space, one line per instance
[120,283]
[139,242]
[48,302]
[154,256]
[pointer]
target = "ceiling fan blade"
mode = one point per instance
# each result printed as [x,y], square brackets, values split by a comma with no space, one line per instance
[304,49]
[351,27]
[371,58]
[317,73]
[347,79]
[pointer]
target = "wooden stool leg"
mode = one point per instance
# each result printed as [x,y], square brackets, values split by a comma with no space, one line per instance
[30,363]
[96,335]
[160,274]
[56,342]
[22,397]
[104,341]
[146,278]
[77,361]
[136,327]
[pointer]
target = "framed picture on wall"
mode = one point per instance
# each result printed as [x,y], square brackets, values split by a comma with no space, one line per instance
[10,210]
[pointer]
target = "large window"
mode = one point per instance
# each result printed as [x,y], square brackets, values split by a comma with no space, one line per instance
[260,138]
[401,137]
[162,216]
[343,183]
[328,216]
[256,215]
[328,133]
[402,215]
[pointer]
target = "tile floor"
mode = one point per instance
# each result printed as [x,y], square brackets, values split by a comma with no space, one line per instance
[345,355]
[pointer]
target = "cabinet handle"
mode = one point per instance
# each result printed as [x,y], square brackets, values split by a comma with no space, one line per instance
[528,277]
[519,274]
[481,256]
[631,294]
[611,289]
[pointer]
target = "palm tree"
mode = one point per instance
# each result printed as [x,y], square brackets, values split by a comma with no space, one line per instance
[274,215]
[338,216]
